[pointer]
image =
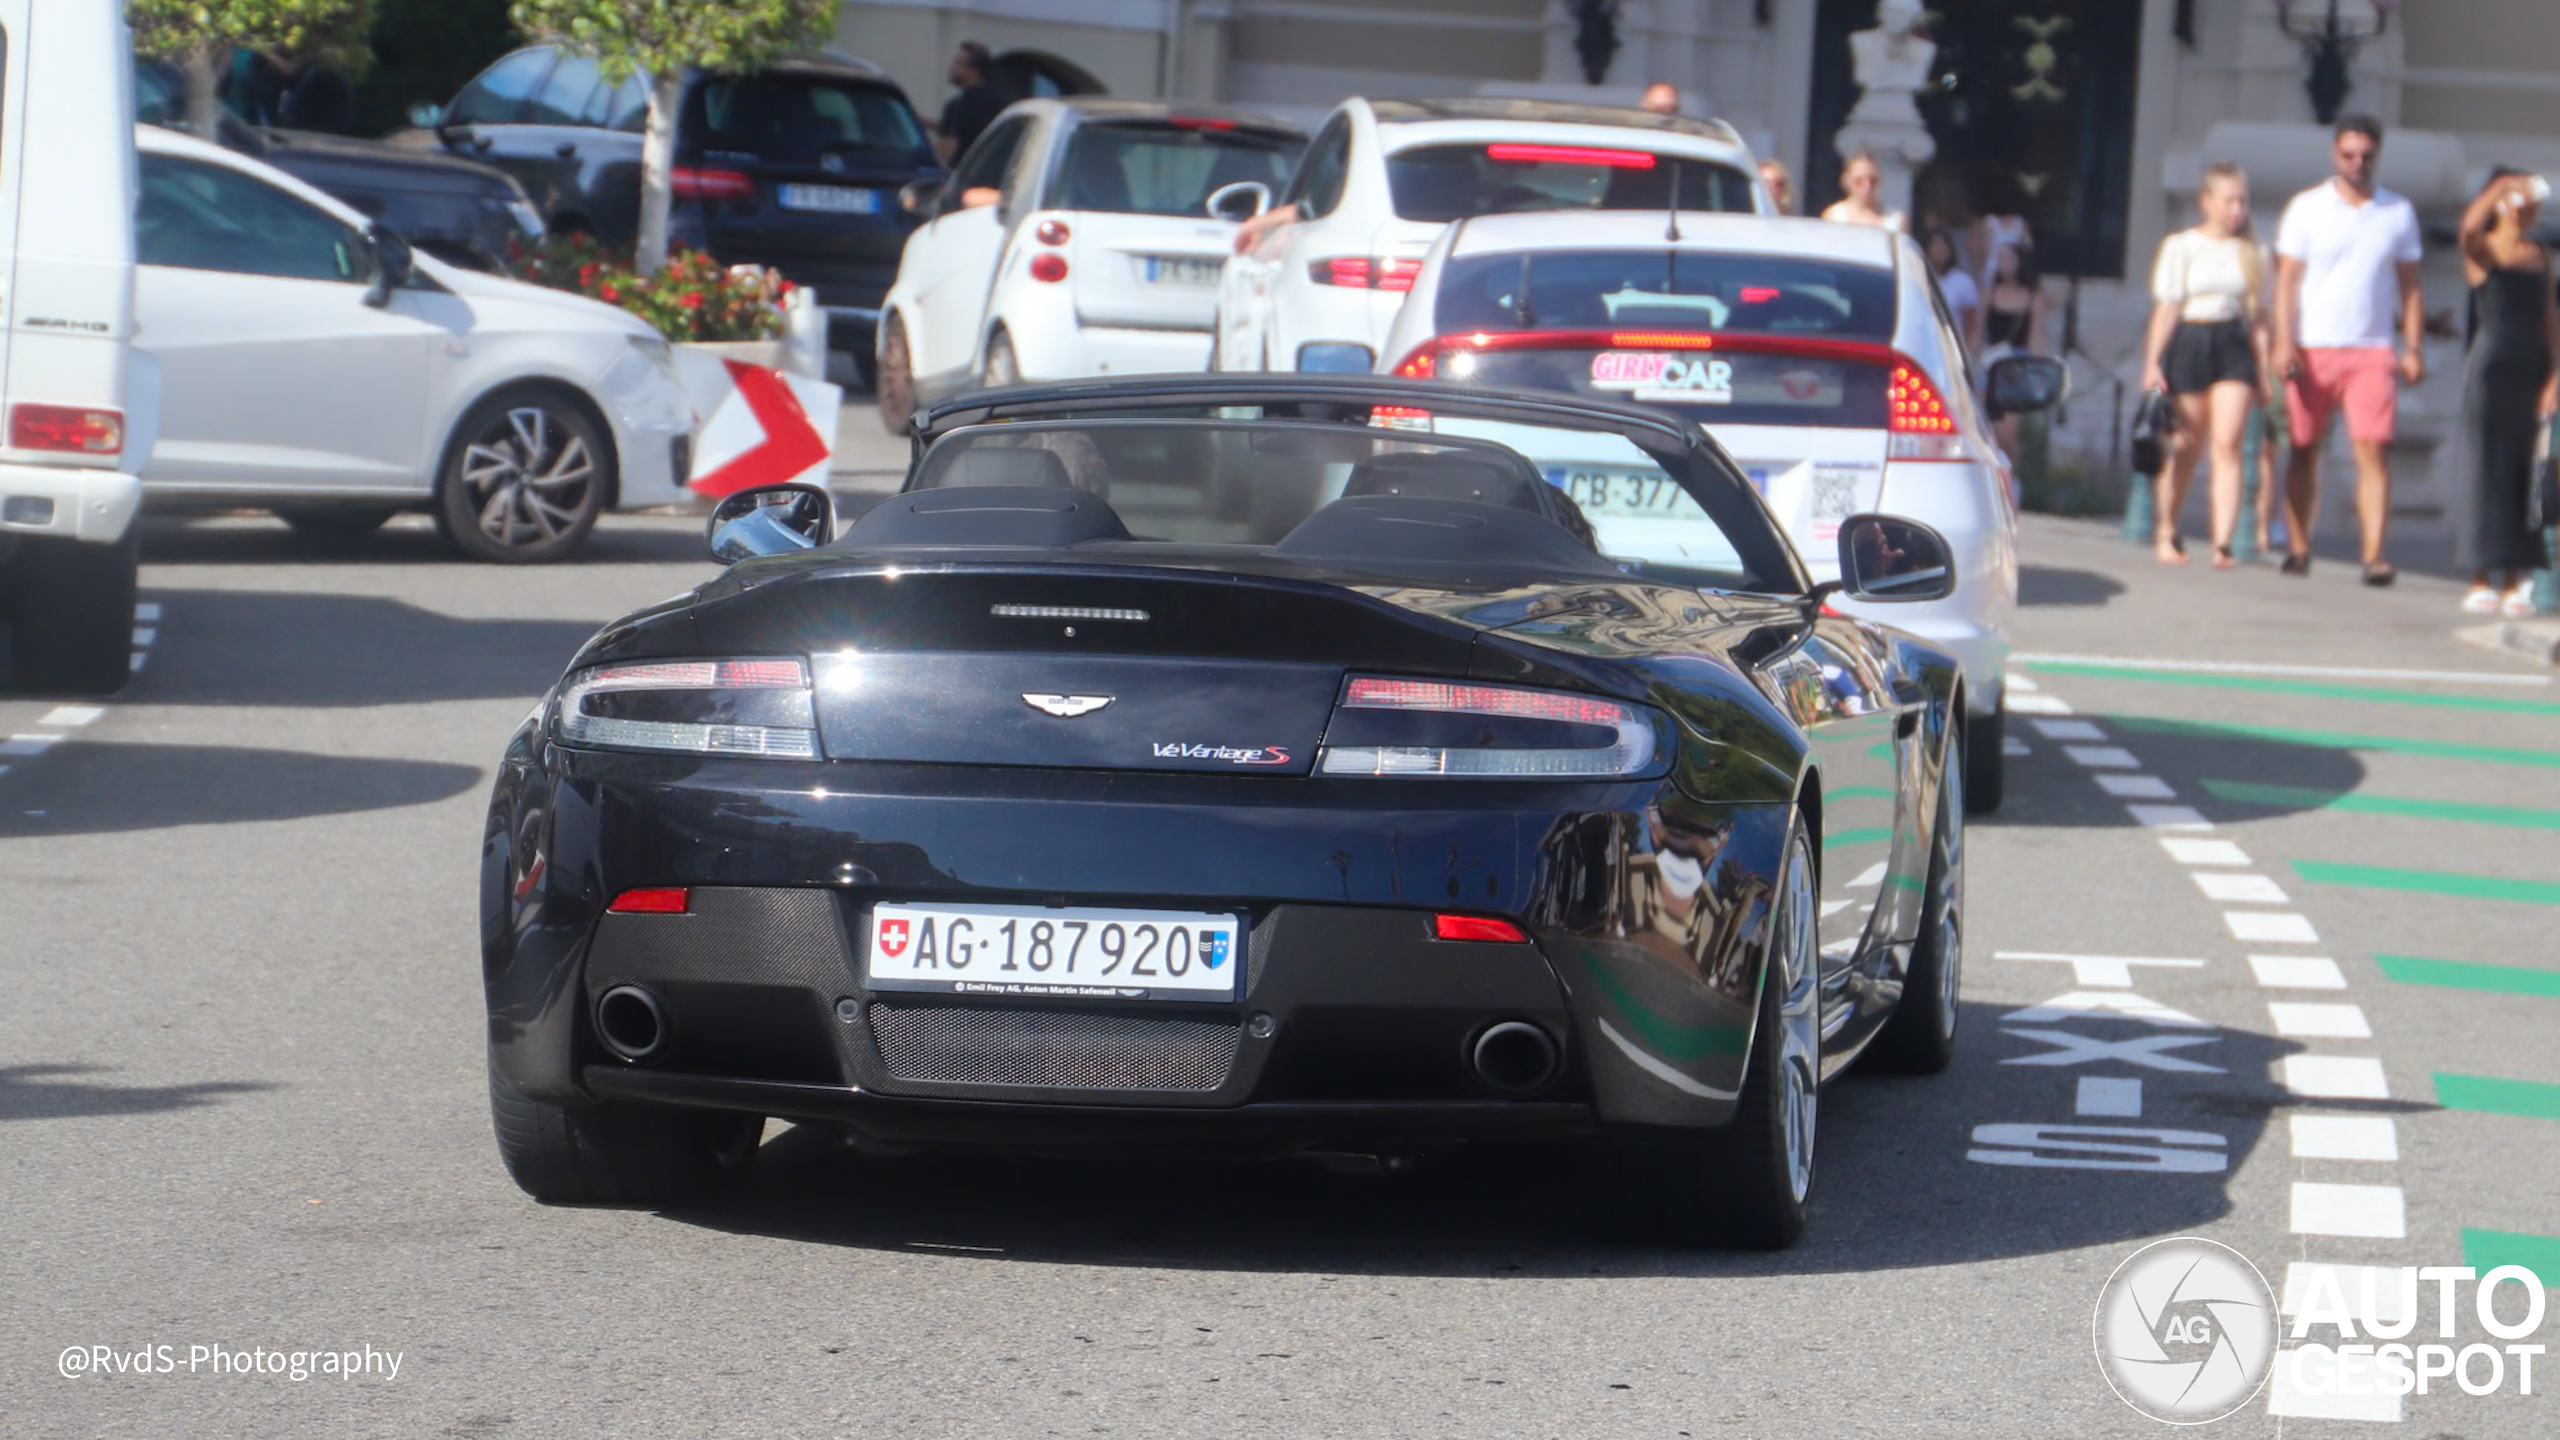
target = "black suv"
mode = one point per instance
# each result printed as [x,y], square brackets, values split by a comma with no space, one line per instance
[796,166]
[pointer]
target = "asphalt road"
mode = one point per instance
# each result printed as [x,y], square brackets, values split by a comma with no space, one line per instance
[242,1104]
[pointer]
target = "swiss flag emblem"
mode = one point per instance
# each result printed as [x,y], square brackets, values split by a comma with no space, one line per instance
[893,938]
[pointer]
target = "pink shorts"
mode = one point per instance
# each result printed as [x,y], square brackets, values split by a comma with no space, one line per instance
[2364,382]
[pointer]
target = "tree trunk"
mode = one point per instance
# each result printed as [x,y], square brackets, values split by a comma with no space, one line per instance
[657,161]
[204,76]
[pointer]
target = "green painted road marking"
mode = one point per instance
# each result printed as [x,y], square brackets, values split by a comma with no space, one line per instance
[1859,792]
[2486,1250]
[2375,694]
[2457,975]
[1868,836]
[2306,798]
[2336,740]
[2529,1098]
[2429,882]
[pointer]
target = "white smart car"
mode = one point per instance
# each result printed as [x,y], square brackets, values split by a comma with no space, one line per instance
[1820,356]
[311,364]
[1073,239]
[1383,178]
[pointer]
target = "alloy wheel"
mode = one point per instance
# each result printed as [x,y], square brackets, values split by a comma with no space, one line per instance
[1799,1024]
[529,477]
[1950,897]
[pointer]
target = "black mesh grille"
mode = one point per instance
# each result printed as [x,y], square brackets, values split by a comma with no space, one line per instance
[954,1045]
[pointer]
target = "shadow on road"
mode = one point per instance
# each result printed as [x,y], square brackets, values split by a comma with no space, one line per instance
[256,647]
[2052,585]
[1896,1188]
[2049,790]
[407,540]
[95,789]
[42,1092]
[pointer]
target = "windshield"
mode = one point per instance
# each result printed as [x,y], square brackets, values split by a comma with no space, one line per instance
[1457,182]
[1295,487]
[799,119]
[1165,169]
[1666,287]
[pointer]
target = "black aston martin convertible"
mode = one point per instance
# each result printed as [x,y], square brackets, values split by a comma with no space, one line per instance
[1253,765]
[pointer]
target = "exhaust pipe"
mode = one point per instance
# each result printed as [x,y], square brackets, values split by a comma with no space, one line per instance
[630,1022]
[1515,1056]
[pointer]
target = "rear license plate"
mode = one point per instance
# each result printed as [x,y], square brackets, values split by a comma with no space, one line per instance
[837,199]
[1085,953]
[1176,270]
[1622,494]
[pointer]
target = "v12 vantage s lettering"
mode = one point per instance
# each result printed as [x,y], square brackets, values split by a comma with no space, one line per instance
[1227,765]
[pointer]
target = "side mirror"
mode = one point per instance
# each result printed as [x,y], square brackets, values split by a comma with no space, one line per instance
[770,520]
[427,115]
[393,264]
[2018,384]
[1890,559]
[1239,202]
[918,197]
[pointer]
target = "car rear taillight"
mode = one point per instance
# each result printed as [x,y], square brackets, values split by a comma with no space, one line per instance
[687,182]
[700,707]
[1435,728]
[1918,424]
[1570,155]
[1051,232]
[1478,927]
[1199,122]
[71,428]
[1362,272]
[671,901]
[1048,267]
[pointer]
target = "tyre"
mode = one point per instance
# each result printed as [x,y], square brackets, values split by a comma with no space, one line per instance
[69,604]
[620,1154]
[525,477]
[336,522]
[1748,1184]
[1001,367]
[893,384]
[1986,738]
[1920,1039]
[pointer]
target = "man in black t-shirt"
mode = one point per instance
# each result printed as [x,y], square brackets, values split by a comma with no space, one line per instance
[973,104]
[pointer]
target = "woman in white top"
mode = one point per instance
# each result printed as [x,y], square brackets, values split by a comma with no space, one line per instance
[2207,346]
[1863,178]
[1964,298]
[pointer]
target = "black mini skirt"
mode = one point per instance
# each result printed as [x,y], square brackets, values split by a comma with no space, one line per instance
[2202,355]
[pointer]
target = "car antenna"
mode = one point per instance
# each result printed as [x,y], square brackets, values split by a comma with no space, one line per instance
[1672,232]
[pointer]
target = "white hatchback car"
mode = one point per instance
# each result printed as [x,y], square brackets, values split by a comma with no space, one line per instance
[1072,240]
[1329,266]
[1821,357]
[312,365]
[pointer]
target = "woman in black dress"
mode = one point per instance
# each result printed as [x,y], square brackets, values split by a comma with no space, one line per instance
[2509,388]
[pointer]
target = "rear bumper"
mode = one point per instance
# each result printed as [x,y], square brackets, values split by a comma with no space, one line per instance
[68,502]
[1072,351]
[1352,1026]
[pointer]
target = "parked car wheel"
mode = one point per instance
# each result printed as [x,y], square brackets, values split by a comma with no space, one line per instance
[1986,780]
[525,476]
[1747,1184]
[1920,1039]
[69,605]
[1001,367]
[620,1154]
[893,385]
[336,522]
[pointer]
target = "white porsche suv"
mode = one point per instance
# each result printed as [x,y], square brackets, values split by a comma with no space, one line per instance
[1819,355]
[1072,240]
[1327,267]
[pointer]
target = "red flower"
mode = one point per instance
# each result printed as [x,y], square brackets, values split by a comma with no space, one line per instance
[587,273]
[608,293]
[691,300]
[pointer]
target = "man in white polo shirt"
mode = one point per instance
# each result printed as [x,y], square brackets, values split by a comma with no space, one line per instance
[2346,266]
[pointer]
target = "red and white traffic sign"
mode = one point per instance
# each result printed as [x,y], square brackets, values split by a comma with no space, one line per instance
[773,427]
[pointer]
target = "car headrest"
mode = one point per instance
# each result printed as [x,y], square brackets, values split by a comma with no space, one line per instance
[1402,530]
[1443,475]
[1002,465]
[1039,517]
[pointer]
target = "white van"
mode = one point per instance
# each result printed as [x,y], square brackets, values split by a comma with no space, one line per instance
[77,404]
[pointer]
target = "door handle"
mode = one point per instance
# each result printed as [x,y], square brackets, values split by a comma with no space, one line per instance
[568,149]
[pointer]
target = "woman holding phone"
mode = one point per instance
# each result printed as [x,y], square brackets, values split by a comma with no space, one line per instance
[2509,392]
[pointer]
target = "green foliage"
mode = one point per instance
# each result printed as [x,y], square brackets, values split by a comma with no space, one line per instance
[662,37]
[691,297]
[329,31]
